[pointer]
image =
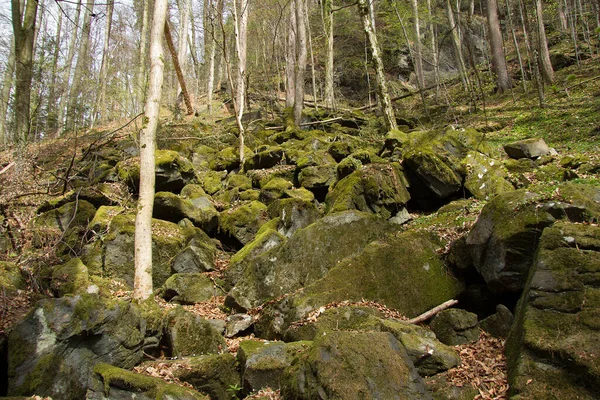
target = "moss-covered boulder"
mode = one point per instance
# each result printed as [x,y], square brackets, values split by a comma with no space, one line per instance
[190,335]
[242,182]
[455,326]
[305,257]
[374,188]
[70,278]
[347,166]
[274,189]
[503,241]
[553,349]
[64,225]
[499,323]
[243,222]
[173,171]
[111,253]
[111,382]
[486,178]
[351,365]
[228,159]
[53,351]
[211,181]
[260,177]
[190,288]
[527,148]
[11,278]
[171,207]
[264,158]
[293,214]
[263,363]
[317,178]
[434,173]
[198,256]
[402,271]
[427,354]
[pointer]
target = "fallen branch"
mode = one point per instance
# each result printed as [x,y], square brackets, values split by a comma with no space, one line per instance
[9,166]
[428,314]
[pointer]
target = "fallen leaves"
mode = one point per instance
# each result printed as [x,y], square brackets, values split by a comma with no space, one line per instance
[13,307]
[164,371]
[265,394]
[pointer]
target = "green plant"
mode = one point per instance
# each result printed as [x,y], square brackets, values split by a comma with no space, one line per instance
[234,391]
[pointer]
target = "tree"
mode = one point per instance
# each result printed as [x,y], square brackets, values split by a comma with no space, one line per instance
[290,57]
[542,44]
[140,87]
[418,56]
[142,286]
[300,66]
[100,105]
[457,43]
[69,63]
[382,89]
[328,27]
[24,35]
[496,48]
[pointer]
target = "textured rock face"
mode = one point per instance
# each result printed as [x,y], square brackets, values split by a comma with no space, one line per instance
[346,365]
[190,288]
[242,223]
[528,148]
[503,241]
[486,178]
[190,335]
[455,326]
[54,350]
[553,346]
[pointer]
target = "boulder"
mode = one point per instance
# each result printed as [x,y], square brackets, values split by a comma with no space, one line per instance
[191,335]
[528,148]
[170,207]
[213,374]
[263,363]
[190,288]
[116,383]
[243,222]
[304,258]
[53,351]
[70,278]
[264,158]
[317,178]
[486,178]
[374,188]
[260,177]
[198,256]
[238,323]
[351,365]
[211,181]
[274,190]
[432,171]
[498,324]
[293,214]
[403,271]
[347,166]
[553,348]
[502,242]
[455,326]
[11,278]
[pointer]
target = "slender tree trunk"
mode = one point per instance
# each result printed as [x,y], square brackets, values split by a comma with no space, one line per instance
[211,43]
[142,288]
[457,42]
[418,56]
[80,67]
[434,49]
[328,28]
[516,44]
[140,88]
[496,47]
[184,27]
[51,122]
[312,60]
[178,71]
[544,54]
[562,17]
[382,89]
[23,34]
[100,106]
[68,66]
[301,55]
[290,58]
[241,33]
[7,83]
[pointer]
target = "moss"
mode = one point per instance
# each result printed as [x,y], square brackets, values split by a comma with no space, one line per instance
[10,277]
[347,166]
[239,181]
[244,221]
[192,191]
[189,334]
[299,193]
[263,235]
[250,195]
[70,278]
[211,181]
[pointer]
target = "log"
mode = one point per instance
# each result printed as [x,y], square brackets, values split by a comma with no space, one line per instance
[428,314]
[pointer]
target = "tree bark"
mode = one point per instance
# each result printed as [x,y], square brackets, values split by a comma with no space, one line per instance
[290,57]
[184,27]
[100,106]
[142,287]
[301,55]
[68,67]
[51,123]
[23,34]
[241,33]
[457,43]
[418,57]
[80,67]
[544,54]
[496,47]
[140,87]
[178,71]
[382,89]
[516,44]
[210,41]
[7,84]
[328,28]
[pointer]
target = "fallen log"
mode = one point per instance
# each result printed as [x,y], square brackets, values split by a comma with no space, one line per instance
[428,314]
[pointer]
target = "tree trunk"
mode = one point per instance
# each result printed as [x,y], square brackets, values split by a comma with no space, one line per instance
[142,287]
[516,44]
[23,34]
[544,54]
[382,89]
[328,28]
[418,57]
[178,71]
[6,88]
[184,27]
[496,47]
[562,17]
[241,33]
[140,87]
[210,41]
[301,54]
[457,43]
[312,60]
[100,106]
[80,67]
[290,58]
[68,67]
[51,123]
[434,49]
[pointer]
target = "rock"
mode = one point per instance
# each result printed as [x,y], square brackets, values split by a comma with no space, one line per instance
[553,347]
[263,363]
[434,173]
[211,181]
[260,177]
[304,258]
[340,150]
[441,389]
[350,365]
[299,193]
[427,354]
[455,326]
[198,256]
[213,374]
[403,271]
[243,222]
[238,323]
[173,171]
[374,188]
[528,148]
[347,166]
[171,207]
[191,335]
[486,178]
[190,288]
[53,351]
[402,217]
[498,324]
[274,190]
[11,278]
[115,383]
[227,159]
[70,278]
[503,241]
[521,165]
[395,139]
[266,158]
[242,182]
[294,214]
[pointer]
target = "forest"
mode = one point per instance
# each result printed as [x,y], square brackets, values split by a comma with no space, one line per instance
[299,199]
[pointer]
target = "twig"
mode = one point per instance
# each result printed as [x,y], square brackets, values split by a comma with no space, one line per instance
[428,314]
[91,146]
[9,166]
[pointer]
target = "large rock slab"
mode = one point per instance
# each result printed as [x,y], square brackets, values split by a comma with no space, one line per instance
[351,365]
[53,351]
[190,335]
[553,349]
[486,177]
[528,148]
[305,257]
[243,222]
[170,207]
[402,271]
[503,241]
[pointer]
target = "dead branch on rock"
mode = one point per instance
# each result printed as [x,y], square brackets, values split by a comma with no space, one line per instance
[428,314]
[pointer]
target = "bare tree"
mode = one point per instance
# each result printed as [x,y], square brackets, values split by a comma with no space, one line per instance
[418,56]
[66,76]
[542,44]
[100,105]
[142,287]
[328,28]
[140,87]
[496,47]
[7,83]
[301,55]
[52,116]
[290,57]
[457,42]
